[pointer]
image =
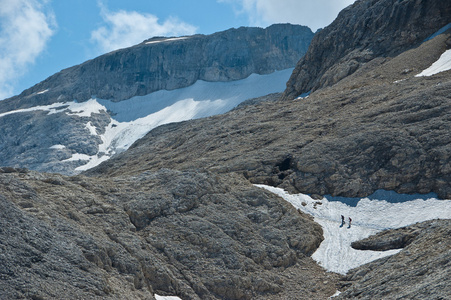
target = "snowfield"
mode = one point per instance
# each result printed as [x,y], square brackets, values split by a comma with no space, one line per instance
[389,211]
[441,65]
[133,118]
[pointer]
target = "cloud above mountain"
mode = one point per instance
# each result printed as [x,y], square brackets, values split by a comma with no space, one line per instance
[26,27]
[315,14]
[127,28]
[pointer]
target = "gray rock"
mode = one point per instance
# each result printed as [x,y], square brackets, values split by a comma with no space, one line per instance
[422,270]
[362,32]
[191,234]
[139,70]
[367,132]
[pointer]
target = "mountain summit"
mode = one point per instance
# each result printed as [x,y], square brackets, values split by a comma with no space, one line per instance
[362,32]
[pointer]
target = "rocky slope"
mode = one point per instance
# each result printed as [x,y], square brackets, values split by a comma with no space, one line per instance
[193,234]
[362,32]
[177,214]
[419,271]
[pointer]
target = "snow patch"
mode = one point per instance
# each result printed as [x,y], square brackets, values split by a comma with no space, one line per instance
[82,109]
[167,40]
[57,147]
[229,93]
[368,217]
[91,128]
[158,297]
[441,65]
[42,92]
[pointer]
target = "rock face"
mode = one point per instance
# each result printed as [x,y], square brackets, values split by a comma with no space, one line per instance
[362,32]
[422,270]
[172,63]
[191,234]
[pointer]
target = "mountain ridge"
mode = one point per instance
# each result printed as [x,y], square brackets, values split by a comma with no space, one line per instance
[383,29]
[148,67]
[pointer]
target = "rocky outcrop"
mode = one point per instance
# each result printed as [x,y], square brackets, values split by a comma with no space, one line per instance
[380,128]
[422,270]
[172,63]
[195,235]
[362,32]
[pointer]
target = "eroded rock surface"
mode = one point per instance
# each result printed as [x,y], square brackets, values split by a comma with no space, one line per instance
[362,32]
[191,234]
[422,270]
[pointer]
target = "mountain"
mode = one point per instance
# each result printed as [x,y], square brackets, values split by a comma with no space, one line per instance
[382,29]
[178,213]
[380,128]
[83,115]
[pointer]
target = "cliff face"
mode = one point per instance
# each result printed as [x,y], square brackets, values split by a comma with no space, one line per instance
[172,63]
[362,32]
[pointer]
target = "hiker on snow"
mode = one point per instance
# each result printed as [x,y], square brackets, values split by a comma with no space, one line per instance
[349,226]
[342,220]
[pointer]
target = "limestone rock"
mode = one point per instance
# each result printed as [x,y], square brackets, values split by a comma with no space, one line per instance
[422,270]
[368,132]
[191,234]
[362,32]
[165,63]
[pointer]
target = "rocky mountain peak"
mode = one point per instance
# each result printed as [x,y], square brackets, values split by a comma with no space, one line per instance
[362,32]
[172,63]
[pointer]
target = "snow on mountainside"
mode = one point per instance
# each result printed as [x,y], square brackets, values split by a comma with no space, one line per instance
[369,217]
[132,90]
[132,119]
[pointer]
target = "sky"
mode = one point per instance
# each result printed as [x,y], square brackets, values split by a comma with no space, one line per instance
[41,37]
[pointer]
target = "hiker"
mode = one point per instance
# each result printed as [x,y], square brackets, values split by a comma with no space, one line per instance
[349,226]
[342,221]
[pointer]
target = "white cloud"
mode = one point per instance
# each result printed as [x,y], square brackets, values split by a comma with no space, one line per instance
[127,28]
[313,13]
[25,29]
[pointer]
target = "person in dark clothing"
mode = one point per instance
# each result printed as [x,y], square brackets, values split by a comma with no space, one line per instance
[350,220]
[342,221]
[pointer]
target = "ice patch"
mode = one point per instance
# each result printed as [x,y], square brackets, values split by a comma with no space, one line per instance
[368,217]
[441,65]
[57,147]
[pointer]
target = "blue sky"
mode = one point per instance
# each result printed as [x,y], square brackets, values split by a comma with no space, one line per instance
[41,37]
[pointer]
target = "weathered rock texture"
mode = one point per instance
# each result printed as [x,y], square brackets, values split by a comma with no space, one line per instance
[26,139]
[380,128]
[422,270]
[362,32]
[151,66]
[191,234]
